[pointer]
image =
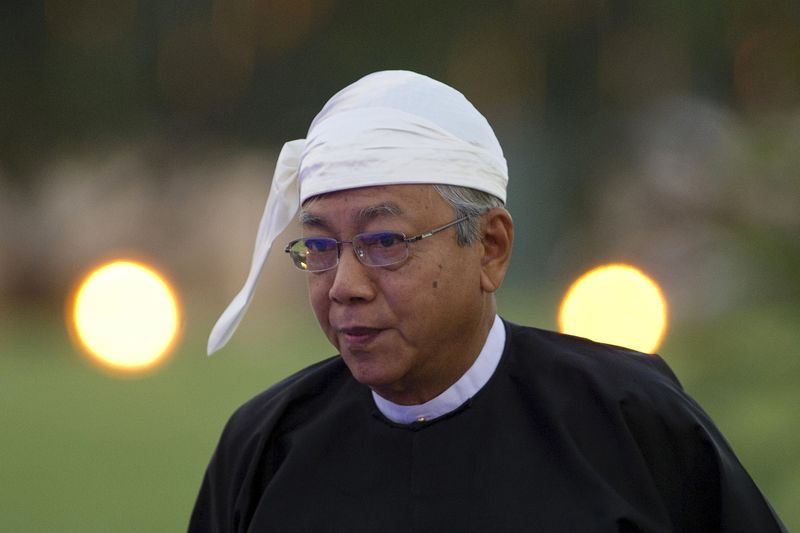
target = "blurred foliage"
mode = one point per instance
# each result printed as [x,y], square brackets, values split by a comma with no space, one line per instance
[84,71]
[568,85]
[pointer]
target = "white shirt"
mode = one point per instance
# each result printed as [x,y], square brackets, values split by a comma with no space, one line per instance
[459,392]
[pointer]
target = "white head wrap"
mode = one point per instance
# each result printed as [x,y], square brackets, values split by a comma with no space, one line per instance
[388,128]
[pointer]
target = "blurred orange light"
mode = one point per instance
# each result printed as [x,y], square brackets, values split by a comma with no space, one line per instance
[616,304]
[126,316]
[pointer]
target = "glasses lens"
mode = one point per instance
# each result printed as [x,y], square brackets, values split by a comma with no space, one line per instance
[381,248]
[314,254]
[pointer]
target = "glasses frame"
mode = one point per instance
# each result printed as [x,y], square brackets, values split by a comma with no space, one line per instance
[360,254]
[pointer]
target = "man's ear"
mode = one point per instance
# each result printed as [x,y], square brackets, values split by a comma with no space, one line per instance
[497,237]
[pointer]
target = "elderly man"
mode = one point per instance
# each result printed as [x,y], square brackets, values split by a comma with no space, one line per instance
[437,415]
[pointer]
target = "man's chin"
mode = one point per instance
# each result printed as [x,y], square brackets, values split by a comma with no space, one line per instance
[371,369]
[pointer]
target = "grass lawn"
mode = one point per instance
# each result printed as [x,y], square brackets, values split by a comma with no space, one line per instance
[86,451]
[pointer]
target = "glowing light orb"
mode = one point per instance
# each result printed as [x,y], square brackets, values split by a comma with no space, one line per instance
[126,316]
[615,304]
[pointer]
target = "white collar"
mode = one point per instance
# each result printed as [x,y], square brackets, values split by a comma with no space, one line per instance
[459,392]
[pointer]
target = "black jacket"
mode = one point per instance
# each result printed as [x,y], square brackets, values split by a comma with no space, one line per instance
[567,435]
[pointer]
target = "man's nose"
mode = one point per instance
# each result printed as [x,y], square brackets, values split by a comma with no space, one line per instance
[352,281]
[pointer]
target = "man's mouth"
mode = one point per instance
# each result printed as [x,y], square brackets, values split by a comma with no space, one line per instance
[359,334]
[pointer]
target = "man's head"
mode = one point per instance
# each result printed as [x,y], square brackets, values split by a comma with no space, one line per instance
[399,149]
[411,328]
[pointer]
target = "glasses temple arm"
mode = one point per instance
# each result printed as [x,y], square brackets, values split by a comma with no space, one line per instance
[436,230]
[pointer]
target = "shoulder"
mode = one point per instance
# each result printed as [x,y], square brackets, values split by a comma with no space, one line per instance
[294,396]
[246,451]
[307,381]
[595,389]
[566,364]
[613,404]
[550,348]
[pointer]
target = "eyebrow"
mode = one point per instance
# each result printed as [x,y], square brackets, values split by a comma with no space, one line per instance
[376,211]
[312,220]
[363,216]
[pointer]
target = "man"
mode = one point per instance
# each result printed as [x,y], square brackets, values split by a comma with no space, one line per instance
[437,415]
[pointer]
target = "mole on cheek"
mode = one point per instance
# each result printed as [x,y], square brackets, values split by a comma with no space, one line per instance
[435,284]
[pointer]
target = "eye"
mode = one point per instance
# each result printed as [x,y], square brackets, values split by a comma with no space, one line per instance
[319,244]
[388,240]
[385,239]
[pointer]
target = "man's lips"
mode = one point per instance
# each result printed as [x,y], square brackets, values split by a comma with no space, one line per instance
[359,334]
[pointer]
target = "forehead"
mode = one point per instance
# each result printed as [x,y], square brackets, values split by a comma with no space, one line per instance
[406,201]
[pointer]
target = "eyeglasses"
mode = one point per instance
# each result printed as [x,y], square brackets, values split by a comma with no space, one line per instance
[376,249]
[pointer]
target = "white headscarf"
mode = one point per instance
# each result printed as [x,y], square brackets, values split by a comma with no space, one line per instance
[388,128]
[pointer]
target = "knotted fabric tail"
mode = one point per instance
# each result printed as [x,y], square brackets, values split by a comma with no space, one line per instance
[282,205]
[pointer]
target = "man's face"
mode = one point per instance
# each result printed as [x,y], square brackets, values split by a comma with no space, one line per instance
[411,329]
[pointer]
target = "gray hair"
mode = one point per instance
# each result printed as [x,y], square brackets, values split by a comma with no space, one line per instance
[471,203]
